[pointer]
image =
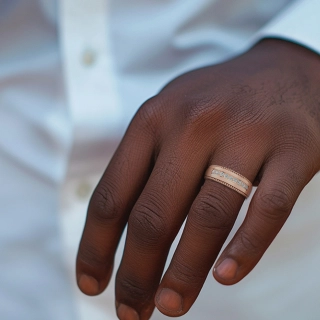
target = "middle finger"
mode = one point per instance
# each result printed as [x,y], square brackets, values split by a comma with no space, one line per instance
[153,224]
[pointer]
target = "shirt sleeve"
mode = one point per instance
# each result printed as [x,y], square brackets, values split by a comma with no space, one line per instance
[298,23]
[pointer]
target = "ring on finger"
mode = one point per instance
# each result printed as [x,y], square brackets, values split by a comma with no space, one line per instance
[229,178]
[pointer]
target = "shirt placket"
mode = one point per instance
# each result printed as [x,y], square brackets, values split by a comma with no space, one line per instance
[89,69]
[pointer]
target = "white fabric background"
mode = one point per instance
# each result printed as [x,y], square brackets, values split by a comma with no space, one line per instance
[72,74]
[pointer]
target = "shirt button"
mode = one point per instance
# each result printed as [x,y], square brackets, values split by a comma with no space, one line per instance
[89,57]
[83,190]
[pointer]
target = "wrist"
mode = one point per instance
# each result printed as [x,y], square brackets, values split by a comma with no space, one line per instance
[290,54]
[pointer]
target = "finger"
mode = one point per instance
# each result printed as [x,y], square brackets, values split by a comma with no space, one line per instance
[109,208]
[153,224]
[271,205]
[209,222]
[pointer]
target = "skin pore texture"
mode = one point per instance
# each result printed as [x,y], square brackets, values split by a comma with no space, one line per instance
[257,114]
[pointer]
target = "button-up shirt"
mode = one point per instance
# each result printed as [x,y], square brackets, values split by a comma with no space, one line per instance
[72,75]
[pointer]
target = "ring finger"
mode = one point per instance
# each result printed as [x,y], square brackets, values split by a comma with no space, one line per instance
[209,222]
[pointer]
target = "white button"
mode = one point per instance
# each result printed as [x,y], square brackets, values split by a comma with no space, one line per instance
[83,190]
[89,57]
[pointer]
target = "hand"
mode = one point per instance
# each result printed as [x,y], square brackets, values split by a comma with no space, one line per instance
[258,114]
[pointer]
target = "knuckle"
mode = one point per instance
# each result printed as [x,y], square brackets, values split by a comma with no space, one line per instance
[132,289]
[274,204]
[212,212]
[91,256]
[200,112]
[104,205]
[181,272]
[197,111]
[147,225]
[150,115]
[250,242]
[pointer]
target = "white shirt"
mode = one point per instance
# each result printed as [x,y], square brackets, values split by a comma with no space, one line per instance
[72,74]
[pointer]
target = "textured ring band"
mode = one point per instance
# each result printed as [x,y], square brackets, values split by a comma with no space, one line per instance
[230,179]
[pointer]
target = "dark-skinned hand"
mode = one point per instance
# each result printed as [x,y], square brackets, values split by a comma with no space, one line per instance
[257,114]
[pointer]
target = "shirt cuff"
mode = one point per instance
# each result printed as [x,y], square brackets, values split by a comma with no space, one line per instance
[298,23]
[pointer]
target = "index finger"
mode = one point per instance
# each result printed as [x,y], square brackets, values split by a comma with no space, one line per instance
[109,208]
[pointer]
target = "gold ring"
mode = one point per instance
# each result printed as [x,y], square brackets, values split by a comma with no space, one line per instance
[230,179]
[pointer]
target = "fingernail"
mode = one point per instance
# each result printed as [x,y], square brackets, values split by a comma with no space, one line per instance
[227,269]
[88,285]
[170,300]
[126,313]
